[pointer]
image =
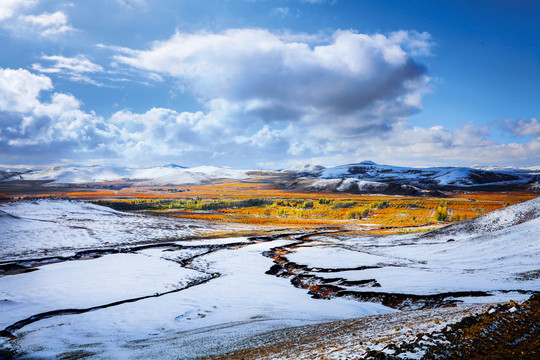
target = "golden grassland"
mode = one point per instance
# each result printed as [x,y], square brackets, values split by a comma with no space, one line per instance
[226,202]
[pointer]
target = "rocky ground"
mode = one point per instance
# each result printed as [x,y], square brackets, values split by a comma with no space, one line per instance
[500,331]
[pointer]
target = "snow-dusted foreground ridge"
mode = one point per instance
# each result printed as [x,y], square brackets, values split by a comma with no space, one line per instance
[192,298]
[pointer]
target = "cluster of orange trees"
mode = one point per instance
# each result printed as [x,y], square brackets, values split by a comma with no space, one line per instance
[398,212]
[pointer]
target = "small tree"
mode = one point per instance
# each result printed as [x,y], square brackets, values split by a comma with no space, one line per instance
[441,214]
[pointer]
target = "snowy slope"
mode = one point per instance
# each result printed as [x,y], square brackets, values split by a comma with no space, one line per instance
[358,186]
[439,176]
[495,252]
[73,174]
[157,175]
[362,177]
[239,299]
[59,227]
[10,174]
[195,175]
[305,169]
[501,219]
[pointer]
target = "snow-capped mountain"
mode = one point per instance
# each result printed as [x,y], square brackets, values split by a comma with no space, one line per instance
[365,177]
[308,169]
[434,177]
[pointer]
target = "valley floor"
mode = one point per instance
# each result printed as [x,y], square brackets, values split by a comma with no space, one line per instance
[79,280]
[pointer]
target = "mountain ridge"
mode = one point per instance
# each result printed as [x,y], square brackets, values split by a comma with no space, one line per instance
[365,177]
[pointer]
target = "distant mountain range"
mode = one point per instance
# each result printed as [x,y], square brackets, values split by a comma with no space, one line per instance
[368,177]
[170,174]
[363,177]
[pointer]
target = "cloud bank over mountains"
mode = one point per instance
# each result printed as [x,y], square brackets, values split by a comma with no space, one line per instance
[266,98]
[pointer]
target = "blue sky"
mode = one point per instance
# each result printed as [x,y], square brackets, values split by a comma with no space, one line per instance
[269,84]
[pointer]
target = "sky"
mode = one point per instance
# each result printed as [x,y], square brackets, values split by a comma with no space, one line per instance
[269,84]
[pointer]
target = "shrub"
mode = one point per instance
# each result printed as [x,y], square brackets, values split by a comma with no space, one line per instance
[343,204]
[305,205]
[441,214]
[379,204]
[357,213]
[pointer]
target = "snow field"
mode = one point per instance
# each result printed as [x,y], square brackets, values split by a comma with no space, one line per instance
[88,283]
[243,301]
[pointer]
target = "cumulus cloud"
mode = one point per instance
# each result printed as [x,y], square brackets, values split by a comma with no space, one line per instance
[522,127]
[36,122]
[29,119]
[466,145]
[19,89]
[265,97]
[353,83]
[9,8]
[408,145]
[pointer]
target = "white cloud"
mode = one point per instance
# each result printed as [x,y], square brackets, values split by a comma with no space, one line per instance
[9,8]
[19,89]
[28,120]
[57,126]
[351,82]
[266,98]
[467,145]
[522,127]
[77,64]
[414,42]
[74,68]
[44,25]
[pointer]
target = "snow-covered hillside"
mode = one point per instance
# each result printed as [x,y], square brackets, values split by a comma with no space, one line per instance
[364,177]
[59,227]
[358,186]
[422,177]
[9,174]
[495,253]
[498,220]
[156,175]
